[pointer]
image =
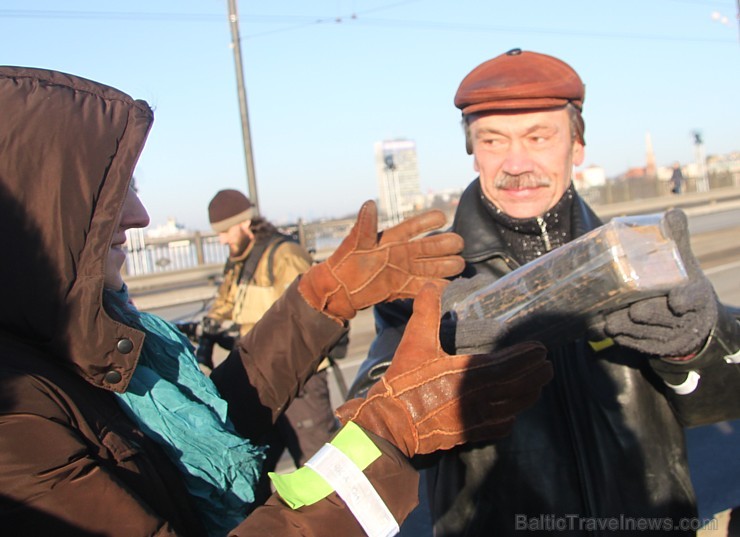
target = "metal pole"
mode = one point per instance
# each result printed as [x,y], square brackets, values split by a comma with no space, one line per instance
[702,183]
[236,45]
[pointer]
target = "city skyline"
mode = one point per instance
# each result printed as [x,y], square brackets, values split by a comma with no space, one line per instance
[585,177]
[325,80]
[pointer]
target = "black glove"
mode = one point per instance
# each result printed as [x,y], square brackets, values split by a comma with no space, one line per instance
[190,329]
[210,332]
[472,335]
[676,325]
[224,336]
[211,326]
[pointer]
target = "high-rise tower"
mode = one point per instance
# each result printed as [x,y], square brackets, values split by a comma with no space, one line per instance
[398,177]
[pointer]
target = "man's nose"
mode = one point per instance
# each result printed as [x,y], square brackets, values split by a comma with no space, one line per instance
[518,159]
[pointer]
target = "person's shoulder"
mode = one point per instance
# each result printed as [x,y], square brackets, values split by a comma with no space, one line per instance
[287,246]
[37,388]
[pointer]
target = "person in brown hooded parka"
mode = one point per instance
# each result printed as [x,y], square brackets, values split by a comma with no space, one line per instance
[107,427]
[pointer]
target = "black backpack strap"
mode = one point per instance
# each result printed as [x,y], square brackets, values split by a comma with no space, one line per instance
[259,249]
[253,259]
[271,256]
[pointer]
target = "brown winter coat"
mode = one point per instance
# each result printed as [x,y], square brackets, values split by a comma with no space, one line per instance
[71,463]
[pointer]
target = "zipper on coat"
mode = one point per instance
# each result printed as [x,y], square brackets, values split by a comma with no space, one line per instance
[544,234]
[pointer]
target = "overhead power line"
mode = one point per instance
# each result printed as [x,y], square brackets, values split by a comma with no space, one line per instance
[107,15]
[356,18]
[177,17]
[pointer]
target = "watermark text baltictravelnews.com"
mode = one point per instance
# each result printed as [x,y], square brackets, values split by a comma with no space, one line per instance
[617,523]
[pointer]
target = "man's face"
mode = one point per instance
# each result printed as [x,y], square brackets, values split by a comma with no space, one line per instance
[525,160]
[237,237]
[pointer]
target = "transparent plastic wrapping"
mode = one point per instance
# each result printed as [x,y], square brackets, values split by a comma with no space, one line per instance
[626,260]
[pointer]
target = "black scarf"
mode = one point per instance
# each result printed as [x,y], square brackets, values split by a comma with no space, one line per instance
[527,239]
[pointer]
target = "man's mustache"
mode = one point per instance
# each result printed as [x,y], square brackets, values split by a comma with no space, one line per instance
[524,180]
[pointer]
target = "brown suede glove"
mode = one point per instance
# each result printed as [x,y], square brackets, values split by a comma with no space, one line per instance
[429,400]
[371,267]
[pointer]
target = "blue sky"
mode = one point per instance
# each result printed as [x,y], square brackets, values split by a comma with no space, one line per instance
[324,85]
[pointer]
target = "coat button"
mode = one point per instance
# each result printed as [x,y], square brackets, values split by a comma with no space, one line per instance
[113,377]
[125,346]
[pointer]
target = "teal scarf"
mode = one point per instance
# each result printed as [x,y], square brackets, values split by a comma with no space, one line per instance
[178,407]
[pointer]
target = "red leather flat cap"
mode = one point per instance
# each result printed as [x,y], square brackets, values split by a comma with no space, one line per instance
[520,80]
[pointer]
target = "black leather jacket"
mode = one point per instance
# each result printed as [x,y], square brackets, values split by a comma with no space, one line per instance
[603,446]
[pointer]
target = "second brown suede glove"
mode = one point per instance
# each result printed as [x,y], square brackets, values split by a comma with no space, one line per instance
[370,267]
[428,400]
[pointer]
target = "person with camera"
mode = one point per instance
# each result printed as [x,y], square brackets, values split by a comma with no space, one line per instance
[262,263]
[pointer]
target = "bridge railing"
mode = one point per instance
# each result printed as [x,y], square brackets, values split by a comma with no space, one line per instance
[201,253]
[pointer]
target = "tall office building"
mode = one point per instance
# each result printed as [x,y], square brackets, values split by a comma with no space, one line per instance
[398,177]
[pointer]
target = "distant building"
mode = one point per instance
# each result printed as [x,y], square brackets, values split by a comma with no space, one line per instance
[664,173]
[637,172]
[729,163]
[170,229]
[589,177]
[714,164]
[398,178]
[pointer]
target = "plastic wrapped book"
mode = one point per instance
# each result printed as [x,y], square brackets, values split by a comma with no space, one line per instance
[626,260]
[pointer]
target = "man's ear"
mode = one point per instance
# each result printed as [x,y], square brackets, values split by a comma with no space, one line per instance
[246,227]
[579,153]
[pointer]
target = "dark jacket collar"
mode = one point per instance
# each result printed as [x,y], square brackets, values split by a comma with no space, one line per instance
[483,240]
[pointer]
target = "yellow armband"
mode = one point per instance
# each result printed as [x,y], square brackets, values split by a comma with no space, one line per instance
[305,487]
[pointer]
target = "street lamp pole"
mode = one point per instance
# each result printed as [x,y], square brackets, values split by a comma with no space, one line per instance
[236,45]
[392,189]
[702,183]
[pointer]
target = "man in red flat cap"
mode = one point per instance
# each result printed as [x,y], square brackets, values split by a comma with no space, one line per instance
[603,448]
